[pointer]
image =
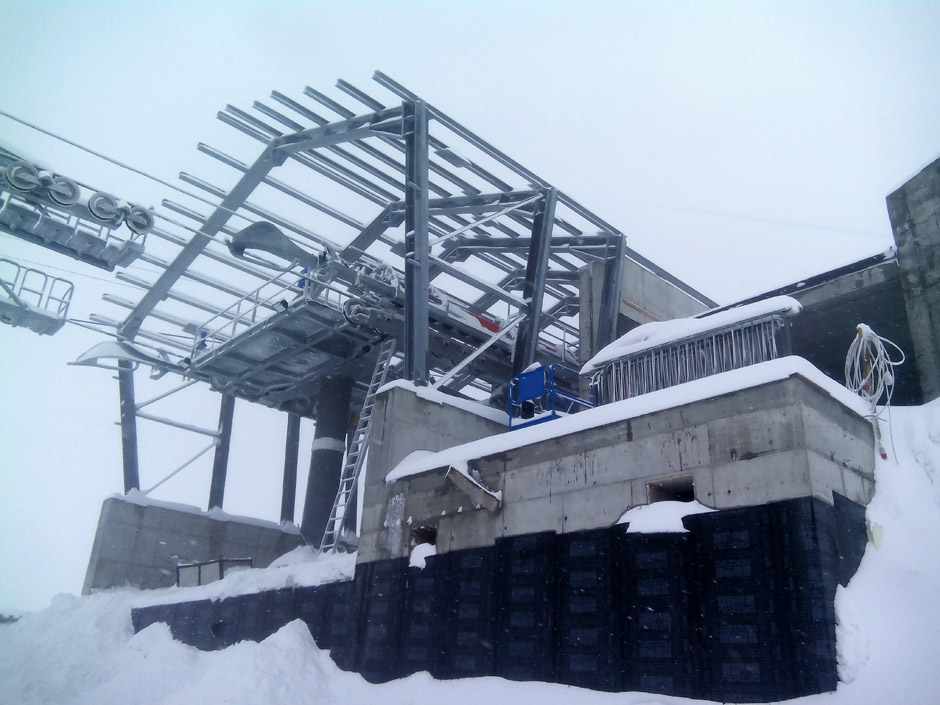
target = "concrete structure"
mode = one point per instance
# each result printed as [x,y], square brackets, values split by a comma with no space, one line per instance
[140,543]
[781,440]
[647,293]
[834,303]
[914,210]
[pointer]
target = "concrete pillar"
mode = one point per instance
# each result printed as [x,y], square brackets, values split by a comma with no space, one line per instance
[326,456]
[914,211]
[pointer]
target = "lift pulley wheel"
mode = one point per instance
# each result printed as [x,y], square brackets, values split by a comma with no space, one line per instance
[22,176]
[104,206]
[139,220]
[64,191]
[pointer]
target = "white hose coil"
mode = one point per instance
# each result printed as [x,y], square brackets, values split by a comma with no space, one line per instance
[869,366]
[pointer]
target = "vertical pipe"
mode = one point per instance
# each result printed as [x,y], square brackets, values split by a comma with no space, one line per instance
[291,451]
[417,276]
[220,462]
[326,456]
[128,425]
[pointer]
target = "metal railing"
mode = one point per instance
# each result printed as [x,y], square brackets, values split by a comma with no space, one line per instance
[194,574]
[31,298]
[723,349]
[274,295]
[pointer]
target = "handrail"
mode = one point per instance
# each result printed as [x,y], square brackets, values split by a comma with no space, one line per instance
[50,296]
[759,339]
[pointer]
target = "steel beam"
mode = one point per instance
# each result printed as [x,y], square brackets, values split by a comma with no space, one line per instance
[611,293]
[281,186]
[370,233]
[219,217]
[417,246]
[533,291]
[128,425]
[481,203]
[220,461]
[291,451]
[576,243]
[382,122]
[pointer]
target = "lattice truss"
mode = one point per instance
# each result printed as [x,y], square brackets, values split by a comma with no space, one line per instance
[333,223]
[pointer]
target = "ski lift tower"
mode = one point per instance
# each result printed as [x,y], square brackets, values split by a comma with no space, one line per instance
[349,222]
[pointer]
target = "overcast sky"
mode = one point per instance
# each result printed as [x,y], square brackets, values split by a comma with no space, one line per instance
[740,146]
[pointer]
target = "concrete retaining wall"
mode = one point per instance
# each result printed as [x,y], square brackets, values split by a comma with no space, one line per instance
[140,545]
[778,441]
[914,211]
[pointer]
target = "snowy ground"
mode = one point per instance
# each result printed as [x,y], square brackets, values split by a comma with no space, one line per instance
[83,650]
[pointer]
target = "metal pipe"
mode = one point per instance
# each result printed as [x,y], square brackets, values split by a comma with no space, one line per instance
[220,462]
[326,456]
[128,426]
[182,467]
[291,451]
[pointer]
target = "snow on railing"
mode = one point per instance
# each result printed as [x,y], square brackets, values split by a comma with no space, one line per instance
[741,342]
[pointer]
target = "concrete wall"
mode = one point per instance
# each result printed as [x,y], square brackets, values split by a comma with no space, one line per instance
[782,440]
[141,545]
[914,211]
[402,423]
[644,297]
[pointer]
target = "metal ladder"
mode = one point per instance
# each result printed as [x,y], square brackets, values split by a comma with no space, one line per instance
[357,449]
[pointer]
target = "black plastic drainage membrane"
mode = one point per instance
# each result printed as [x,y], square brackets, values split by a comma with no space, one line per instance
[739,609]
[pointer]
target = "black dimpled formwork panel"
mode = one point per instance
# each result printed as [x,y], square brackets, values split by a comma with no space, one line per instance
[525,597]
[738,609]
[340,622]
[588,619]
[656,604]
[380,618]
[468,643]
[422,610]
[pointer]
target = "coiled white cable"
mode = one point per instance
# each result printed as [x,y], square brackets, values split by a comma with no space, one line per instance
[869,372]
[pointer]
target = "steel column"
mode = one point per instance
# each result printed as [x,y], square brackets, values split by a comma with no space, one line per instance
[291,451]
[128,425]
[416,241]
[610,294]
[326,456]
[533,290]
[220,462]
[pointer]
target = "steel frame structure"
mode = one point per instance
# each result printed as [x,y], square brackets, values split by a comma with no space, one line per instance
[461,239]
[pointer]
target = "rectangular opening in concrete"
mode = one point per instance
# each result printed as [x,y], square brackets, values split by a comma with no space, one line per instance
[424,534]
[672,489]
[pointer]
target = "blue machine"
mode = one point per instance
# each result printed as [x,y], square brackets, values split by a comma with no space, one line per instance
[535,397]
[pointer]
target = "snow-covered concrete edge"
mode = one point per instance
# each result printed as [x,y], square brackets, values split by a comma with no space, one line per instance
[680,395]
[437,397]
[139,498]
